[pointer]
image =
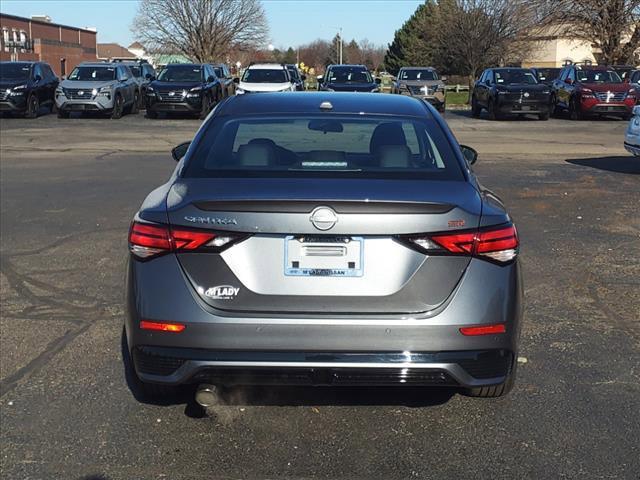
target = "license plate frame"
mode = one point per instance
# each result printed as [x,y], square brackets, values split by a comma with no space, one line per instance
[299,262]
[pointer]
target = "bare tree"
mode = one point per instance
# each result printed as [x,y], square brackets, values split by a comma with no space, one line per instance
[371,55]
[611,26]
[203,30]
[315,53]
[474,34]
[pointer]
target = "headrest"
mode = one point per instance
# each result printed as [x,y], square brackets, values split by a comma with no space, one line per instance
[390,133]
[256,155]
[394,156]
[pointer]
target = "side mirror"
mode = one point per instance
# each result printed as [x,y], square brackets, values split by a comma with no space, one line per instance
[568,81]
[636,111]
[37,78]
[236,80]
[378,81]
[469,154]
[210,79]
[180,151]
[319,78]
[303,77]
[444,78]
[148,76]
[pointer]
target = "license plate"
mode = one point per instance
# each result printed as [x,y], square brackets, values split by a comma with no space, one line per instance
[308,256]
[525,108]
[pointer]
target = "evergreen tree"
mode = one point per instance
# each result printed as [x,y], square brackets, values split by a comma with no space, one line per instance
[333,56]
[414,43]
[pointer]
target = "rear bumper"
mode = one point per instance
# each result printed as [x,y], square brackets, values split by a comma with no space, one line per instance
[157,290]
[179,366]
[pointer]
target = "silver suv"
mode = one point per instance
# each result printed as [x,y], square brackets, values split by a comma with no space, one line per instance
[98,87]
[423,83]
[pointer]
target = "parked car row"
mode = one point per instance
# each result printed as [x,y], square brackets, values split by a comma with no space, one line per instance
[113,88]
[580,89]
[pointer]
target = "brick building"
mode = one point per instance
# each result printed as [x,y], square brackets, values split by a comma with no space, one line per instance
[39,39]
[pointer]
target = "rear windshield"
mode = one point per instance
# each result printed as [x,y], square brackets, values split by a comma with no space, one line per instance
[93,74]
[509,77]
[418,74]
[598,76]
[264,75]
[182,73]
[349,75]
[324,146]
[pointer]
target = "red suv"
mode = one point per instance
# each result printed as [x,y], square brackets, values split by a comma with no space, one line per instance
[588,89]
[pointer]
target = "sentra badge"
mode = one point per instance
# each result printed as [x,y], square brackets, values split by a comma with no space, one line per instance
[211,220]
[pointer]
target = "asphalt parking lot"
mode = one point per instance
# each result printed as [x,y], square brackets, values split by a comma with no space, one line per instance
[68,191]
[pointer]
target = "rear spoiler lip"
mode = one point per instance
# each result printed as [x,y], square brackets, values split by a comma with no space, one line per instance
[340,206]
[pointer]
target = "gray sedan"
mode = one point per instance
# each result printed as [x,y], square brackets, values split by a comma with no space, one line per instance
[323,239]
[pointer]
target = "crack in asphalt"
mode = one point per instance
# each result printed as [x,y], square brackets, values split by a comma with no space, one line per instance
[43,306]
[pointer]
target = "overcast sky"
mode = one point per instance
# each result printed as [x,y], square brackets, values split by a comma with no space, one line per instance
[291,22]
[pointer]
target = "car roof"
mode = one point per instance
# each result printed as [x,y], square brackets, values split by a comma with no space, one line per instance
[417,68]
[508,69]
[309,103]
[198,65]
[347,65]
[99,64]
[266,65]
[21,62]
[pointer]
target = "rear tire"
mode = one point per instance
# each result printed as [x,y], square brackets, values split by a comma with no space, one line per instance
[495,391]
[148,391]
[475,108]
[33,106]
[553,107]
[135,108]
[543,116]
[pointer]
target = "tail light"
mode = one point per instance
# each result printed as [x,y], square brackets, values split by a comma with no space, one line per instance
[162,326]
[148,240]
[499,244]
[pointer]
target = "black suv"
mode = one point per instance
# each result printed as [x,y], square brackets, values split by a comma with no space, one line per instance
[226,79]
[348,78]
[514,91]
[143,73]
[184,87]
[26,86]
[296,76]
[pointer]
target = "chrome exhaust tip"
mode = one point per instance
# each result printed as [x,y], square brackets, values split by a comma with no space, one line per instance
[207,395]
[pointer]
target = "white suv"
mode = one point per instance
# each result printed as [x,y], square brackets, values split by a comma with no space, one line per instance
[266,77]
[632,137]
